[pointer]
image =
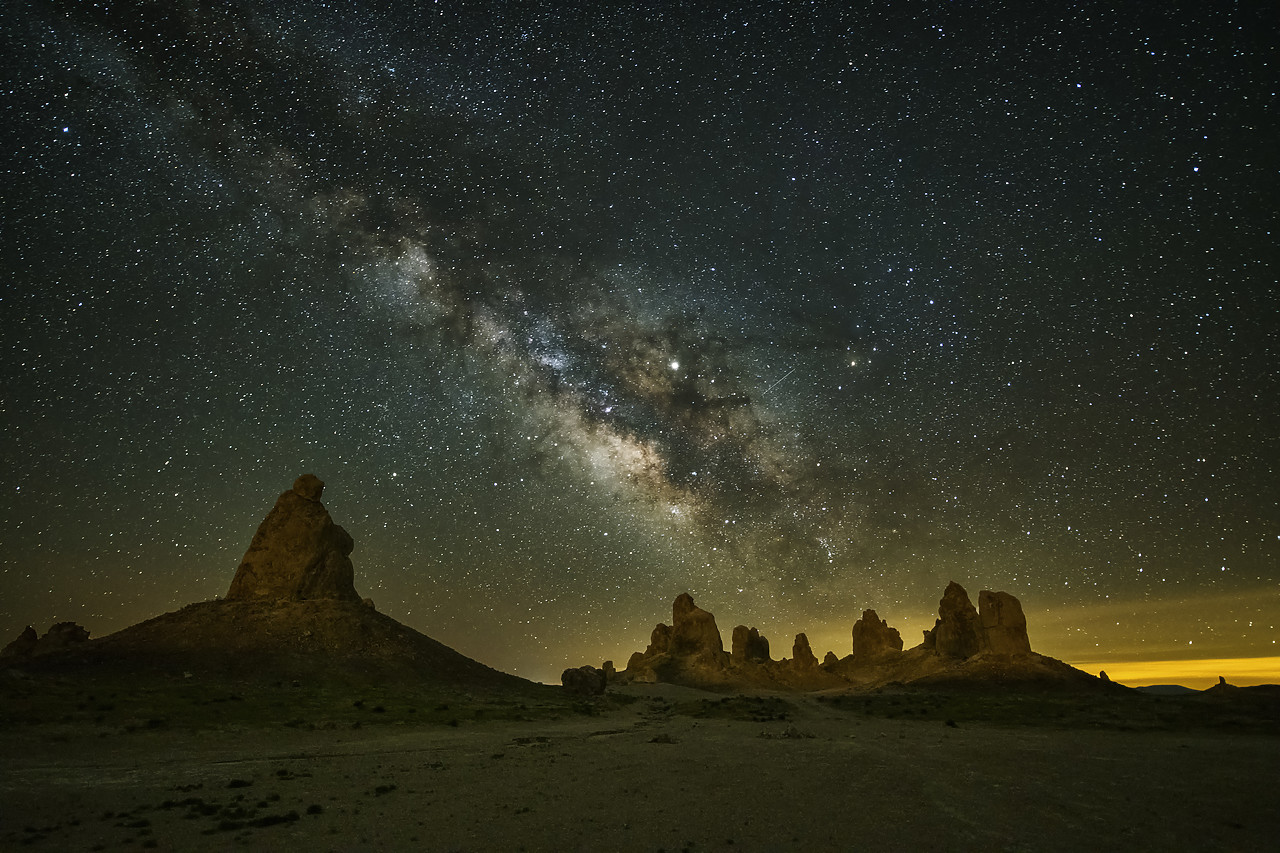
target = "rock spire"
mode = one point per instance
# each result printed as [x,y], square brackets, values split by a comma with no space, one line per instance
[298,552]
[873,638]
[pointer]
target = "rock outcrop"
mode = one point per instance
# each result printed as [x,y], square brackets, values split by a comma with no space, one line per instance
[659,640]
[873,638]
[961,631]
[690,650]
[958,633]
[1004,623]
[24,645]
[693,632]
[59,637]
[584,680]
[298,553]
[749,646]
[966,646]
[802,657]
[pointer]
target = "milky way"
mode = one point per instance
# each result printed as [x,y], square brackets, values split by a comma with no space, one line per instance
[800,311]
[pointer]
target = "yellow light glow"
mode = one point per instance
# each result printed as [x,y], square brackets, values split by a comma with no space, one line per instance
[1198,674]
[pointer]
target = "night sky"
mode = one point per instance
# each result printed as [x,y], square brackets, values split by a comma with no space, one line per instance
[801,308]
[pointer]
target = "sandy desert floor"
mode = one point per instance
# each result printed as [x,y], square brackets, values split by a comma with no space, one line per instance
[663,769]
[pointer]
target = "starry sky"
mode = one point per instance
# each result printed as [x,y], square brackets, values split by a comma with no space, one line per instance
[802,308]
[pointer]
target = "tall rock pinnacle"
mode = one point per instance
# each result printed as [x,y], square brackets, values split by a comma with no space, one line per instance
[958,632]
[298,552]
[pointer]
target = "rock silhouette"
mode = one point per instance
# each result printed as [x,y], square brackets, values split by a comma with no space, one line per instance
[23,646]
[298,553]
[60,637]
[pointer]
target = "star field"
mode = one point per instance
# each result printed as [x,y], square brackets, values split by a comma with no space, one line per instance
[801,309]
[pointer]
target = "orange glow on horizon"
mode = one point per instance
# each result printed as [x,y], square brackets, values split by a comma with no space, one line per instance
[1198,674]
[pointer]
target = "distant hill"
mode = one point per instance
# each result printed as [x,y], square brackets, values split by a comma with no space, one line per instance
[1166,690]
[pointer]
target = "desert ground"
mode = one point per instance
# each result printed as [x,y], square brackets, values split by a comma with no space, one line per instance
[644,768]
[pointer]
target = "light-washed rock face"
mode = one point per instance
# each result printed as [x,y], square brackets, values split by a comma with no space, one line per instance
[694,633]
[873,638]
[689,650]
[298,552]
[1004,623]
[749,646]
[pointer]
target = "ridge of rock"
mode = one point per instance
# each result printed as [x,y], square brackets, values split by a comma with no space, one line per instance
[966,648]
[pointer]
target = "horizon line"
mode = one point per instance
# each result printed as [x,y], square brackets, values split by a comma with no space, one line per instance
[1239,671]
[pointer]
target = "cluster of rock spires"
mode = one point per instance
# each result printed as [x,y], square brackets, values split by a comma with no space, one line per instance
[293,603]
[989,640]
